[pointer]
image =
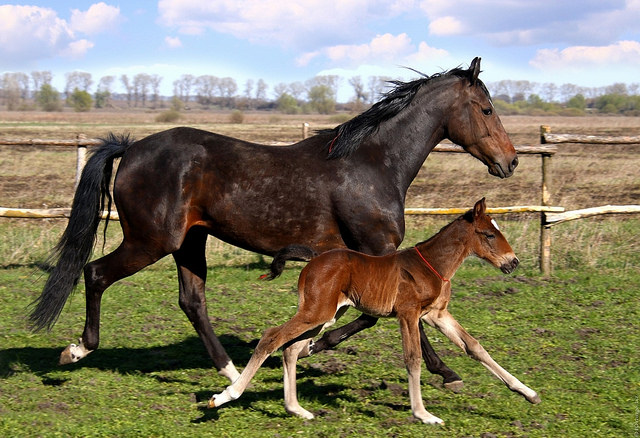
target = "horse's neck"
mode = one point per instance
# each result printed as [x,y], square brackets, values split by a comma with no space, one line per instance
[409,137]
[447,250]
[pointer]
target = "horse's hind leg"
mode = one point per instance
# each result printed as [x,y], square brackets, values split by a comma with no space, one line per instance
[126,260]
[192,274]
[333,337]
[435,365]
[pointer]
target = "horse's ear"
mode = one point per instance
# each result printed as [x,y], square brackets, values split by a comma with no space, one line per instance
[474,70]
[479,208]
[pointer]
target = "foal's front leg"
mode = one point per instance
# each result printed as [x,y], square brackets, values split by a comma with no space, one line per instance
[411,349]
[444,321]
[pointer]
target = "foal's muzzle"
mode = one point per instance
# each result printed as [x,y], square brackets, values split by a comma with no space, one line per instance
[510,266]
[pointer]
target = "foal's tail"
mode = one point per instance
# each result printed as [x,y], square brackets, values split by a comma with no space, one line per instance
[299,253]
[74,249]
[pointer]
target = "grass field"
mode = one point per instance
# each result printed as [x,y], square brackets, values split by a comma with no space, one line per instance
[572,337]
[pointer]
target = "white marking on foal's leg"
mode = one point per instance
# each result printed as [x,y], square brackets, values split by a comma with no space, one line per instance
[73,353]
[230,372]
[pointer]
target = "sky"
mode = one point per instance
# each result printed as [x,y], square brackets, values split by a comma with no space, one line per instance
[589,43]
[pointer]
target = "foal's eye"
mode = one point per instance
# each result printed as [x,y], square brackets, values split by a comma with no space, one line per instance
[489,235]
[487,111]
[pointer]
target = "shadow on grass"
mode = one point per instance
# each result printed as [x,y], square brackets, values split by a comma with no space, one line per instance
[187,354]
[308,391]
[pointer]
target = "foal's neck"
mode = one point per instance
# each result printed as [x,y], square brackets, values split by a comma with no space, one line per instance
[447,249]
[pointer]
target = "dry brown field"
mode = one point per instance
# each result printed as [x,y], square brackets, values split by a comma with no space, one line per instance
[583,175]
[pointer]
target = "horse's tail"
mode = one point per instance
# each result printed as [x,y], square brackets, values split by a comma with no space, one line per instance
[74,249]
[299,253]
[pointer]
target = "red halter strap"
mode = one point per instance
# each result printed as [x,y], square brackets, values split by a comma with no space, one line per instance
[444,280]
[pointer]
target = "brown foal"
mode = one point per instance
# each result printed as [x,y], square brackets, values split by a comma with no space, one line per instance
[412,284]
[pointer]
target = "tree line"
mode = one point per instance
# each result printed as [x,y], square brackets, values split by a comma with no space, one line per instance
[21,91]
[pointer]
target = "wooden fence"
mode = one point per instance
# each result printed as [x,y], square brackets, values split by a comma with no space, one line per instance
[549,215]
[551,218]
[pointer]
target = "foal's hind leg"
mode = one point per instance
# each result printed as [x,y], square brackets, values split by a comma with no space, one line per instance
[192,274]
[126,260]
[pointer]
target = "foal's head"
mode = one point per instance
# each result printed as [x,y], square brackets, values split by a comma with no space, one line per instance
[487,242]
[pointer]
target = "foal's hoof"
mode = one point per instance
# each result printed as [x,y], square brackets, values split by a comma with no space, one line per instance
[455,386]
[535,399]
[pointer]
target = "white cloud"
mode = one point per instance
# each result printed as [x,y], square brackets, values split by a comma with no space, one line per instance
[173,42]
[308,24]
[528,22]
[76,49]
[623,53]
[100,17]
[28,33]
[385,47]
[445,26]
[381,50]
[426,53]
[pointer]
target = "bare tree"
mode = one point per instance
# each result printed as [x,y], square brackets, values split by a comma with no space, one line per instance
[155,89]
[39,78]
[261,91]
[77,80]
[128,88]
[377,86]
[141,83]
[182,87]
[206,86]
[105,83]
[297,90]
[279,90]
[11,91]
[227,88]
[360,95]
[331,82]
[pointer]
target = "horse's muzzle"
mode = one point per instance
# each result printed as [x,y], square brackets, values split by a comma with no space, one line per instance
[496,169]
[510,266]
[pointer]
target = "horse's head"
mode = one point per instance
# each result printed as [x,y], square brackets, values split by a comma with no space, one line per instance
[474,125]
[487,242]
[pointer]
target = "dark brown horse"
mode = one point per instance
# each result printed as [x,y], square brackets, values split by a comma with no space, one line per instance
[342,188]
[412,284]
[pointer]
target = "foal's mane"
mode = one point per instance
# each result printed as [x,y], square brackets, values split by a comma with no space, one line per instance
[347,137]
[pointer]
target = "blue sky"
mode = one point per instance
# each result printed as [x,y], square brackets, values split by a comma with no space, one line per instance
[588,43]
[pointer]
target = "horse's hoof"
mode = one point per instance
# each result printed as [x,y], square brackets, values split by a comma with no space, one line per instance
[72,354]
[455,386]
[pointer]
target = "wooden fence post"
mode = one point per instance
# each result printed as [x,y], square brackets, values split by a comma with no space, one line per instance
[305,130]
[545,229]
[81,158]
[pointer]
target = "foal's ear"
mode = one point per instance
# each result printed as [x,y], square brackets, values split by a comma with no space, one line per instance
[479,208]
[474,70]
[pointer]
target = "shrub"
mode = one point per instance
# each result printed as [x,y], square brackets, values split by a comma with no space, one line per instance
[168,116]
[49,99]
[236,116]
[80,100]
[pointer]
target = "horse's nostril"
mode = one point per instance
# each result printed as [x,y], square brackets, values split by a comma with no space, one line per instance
[514,164]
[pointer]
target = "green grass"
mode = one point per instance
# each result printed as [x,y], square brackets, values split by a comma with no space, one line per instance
[573,338]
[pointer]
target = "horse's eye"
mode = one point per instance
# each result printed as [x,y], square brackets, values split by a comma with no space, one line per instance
[487,111]
[489,235]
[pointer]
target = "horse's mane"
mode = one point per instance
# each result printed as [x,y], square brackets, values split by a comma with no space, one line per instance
[347,137]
